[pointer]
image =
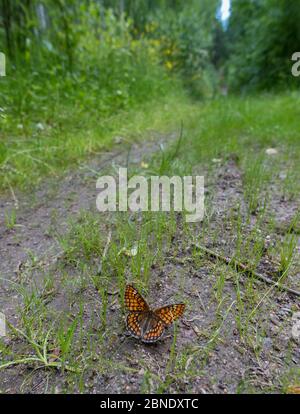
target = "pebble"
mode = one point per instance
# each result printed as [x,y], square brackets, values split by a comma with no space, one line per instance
[271,151]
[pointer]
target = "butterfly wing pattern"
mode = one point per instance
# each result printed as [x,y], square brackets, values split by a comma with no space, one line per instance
[134,302]
[138,308]
[134,324]
[145,324]
[155,330]
[169,314]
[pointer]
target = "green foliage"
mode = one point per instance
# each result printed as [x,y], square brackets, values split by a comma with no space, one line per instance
[263,35]
[185,40]
[73,66]
[107,70]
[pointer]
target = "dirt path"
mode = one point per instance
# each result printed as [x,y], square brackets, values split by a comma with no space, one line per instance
[50,207]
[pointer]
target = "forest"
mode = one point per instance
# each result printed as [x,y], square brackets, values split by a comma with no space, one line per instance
[164,88]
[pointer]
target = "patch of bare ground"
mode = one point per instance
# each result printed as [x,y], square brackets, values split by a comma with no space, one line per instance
[39,214]
[234,337]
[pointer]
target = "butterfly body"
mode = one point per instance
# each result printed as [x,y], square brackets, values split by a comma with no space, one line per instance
[147,324]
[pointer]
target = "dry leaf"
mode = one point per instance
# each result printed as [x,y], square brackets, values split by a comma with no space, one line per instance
[293,389]
[271,151]
[40,126]
[129,252]
[118,140]
[54,354]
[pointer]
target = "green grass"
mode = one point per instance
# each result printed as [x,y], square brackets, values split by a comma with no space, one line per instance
[26,161]
[218,129]
[10,219]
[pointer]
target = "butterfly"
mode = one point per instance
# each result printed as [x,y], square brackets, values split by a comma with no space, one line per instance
[144,323]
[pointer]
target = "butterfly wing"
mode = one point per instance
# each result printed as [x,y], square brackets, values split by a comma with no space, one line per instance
[133,322]
[169,314]
[134,302]
[155,330]
[144,324]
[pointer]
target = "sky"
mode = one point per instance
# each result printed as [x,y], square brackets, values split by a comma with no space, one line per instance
[225,9]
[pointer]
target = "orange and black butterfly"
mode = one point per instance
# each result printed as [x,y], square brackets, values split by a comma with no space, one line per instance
[144,323]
